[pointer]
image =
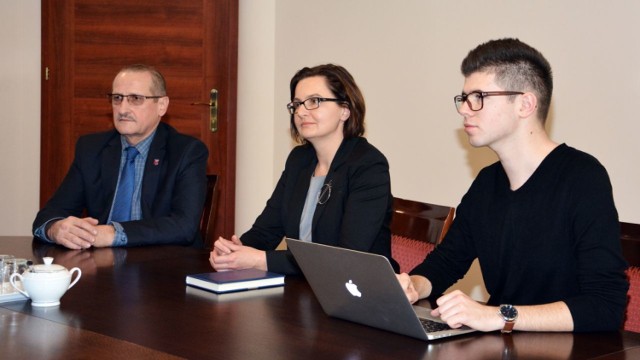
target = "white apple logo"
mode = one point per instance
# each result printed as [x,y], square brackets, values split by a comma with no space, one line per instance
[353,289]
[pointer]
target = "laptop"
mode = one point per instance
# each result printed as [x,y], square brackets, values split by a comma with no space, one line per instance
[363,288]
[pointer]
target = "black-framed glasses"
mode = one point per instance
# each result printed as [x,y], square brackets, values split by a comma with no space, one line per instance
[310,103]
[133,99]
[475,99]
[325,193]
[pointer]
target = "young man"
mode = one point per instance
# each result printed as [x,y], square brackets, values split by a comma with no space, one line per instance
[140,183]
[541,221]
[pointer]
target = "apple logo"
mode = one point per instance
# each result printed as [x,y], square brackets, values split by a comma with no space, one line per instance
[353,289]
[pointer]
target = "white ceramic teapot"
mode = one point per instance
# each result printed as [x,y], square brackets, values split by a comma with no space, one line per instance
[46,283]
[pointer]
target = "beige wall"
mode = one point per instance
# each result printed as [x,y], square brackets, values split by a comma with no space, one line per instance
[406,59]
[257,162]
[19,115]
[405,56]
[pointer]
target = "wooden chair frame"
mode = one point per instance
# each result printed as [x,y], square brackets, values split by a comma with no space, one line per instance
[416,229]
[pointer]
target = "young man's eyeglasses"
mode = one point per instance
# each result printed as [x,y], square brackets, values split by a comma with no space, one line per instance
[310,103]
[475,99]
[133,99]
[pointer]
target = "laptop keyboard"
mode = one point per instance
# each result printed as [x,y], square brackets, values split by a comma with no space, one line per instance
[433,326]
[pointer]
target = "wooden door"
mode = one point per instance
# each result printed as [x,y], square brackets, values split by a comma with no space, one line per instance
[192,42]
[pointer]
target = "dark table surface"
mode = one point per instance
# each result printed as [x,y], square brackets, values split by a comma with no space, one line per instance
[133,303]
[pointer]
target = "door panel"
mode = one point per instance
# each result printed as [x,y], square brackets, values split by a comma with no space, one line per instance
[192,42]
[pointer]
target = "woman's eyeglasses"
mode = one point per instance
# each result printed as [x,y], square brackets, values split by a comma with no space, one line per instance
[310,103]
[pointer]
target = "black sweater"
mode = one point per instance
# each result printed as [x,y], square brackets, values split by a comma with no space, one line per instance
[556,238]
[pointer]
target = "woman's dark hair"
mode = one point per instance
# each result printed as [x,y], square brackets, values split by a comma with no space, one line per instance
[343,87]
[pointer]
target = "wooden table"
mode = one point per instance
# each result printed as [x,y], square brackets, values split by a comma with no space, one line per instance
[133,303]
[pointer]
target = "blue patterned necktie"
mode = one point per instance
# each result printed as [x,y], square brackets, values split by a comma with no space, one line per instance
[124,196]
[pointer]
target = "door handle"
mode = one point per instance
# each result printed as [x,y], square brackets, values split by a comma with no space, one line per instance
[213,109]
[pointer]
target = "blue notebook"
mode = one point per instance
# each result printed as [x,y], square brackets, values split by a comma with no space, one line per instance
[235,280]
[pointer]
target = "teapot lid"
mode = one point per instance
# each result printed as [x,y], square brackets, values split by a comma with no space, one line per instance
[48,267]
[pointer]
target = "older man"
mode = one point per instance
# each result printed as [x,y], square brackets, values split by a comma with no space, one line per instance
[138,184]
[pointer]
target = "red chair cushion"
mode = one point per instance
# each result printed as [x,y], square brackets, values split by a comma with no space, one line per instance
[408,252]
[632,321]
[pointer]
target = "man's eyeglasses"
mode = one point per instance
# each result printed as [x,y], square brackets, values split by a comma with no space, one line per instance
[309,104]
[133,99]
[475,99]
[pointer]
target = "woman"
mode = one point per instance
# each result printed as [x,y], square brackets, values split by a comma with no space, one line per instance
[335,188]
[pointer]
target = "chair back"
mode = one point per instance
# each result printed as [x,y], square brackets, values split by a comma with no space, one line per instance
[416,229]
[207,221]
[630,238]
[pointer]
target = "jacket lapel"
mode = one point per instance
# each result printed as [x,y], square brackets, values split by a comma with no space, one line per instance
[153,168]
[331,180]
[110,170]
[299,194]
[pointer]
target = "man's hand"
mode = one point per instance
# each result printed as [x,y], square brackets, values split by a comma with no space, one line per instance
[457,309]
[106,235]
[73,232]
[407,286]
[416,287]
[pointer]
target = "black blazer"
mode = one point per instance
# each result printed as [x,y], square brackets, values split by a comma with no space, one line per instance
[356,216]
[173,187]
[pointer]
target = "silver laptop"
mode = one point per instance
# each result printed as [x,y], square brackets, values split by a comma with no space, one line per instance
[363,288]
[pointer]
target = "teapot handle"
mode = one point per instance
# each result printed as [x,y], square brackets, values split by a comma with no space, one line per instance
[12,280]
[77,277]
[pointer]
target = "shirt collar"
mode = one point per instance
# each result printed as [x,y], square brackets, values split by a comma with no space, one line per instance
[143,146]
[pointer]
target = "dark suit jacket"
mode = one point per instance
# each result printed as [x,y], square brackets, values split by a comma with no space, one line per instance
[173,187]
[356,216]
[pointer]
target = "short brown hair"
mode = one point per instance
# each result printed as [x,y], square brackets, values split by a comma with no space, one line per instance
[517,66]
